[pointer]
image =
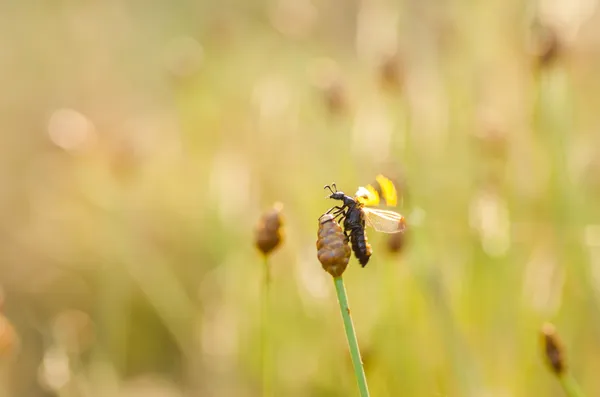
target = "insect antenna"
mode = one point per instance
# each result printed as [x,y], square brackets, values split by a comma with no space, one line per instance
[330,189]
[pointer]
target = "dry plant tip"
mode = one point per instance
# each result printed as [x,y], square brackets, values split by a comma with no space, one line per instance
[333,250]
[553,349]
[269,230]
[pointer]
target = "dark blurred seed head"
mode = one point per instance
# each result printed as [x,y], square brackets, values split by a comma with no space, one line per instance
[546,46]
[396,241]
[335,96]
[390,72]
[553,349]
[333,249]
[269,232]
[327,78]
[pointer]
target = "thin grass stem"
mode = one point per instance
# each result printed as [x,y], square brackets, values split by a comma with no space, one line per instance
[359,370]
[265,350]
[570,385]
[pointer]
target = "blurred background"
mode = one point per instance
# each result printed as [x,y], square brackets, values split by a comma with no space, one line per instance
[142,141]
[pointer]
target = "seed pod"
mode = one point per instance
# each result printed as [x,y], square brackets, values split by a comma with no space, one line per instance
[269,233]
[333,250]
[553,350]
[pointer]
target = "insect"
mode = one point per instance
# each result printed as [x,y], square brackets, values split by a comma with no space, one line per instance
[356,214]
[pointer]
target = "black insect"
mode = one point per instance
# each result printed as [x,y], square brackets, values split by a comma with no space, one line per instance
[354,224]
[356,216]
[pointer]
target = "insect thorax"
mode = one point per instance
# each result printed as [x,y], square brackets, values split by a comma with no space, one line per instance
[354,218]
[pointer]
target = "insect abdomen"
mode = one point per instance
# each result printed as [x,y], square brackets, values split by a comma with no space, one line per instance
[360,246]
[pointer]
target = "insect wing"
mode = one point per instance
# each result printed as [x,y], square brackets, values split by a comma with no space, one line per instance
[384,221]
[367,196]
[383,191]
[388,190]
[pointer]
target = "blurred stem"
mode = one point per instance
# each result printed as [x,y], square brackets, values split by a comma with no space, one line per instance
[464,369]
[359,371]
[554,121]
[113,313]
[570,385]
[264,337]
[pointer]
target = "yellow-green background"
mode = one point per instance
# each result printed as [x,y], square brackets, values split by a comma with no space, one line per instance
[199,116]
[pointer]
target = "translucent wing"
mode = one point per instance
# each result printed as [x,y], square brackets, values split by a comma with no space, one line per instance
[384,221]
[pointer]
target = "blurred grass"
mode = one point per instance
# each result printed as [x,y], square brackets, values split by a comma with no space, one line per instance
[136,208]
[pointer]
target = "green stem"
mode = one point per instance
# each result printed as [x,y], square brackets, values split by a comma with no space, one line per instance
[264,335]
[359,371]
[570,386]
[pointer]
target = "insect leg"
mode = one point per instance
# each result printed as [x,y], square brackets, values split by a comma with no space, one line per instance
[340,211]
[340,214]
[335,208]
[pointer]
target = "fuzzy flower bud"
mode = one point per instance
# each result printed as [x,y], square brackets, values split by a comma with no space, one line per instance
[333,250]
[269,233]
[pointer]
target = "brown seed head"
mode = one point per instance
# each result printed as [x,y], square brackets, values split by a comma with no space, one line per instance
[390,72]
[396,241]
[327,79]
[336,97]
[269,233]
[547,46]
[333,250]
[553,349]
